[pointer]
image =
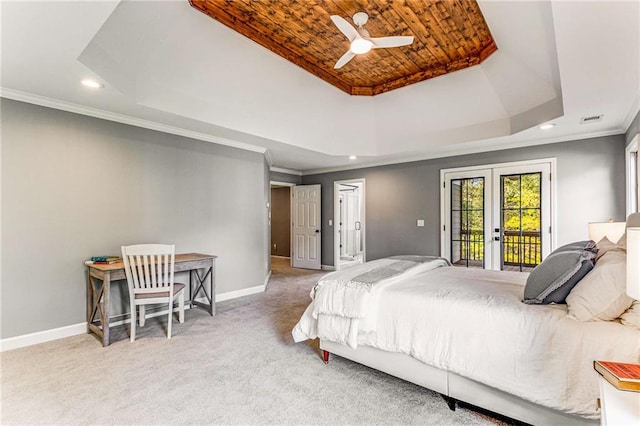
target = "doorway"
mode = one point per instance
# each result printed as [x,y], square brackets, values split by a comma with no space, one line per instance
[497,216]
[280,220]
[349,219]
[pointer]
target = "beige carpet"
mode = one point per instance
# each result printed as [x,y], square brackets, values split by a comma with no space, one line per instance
[240,367]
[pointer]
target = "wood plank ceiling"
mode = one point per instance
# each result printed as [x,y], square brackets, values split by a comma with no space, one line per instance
[449,35]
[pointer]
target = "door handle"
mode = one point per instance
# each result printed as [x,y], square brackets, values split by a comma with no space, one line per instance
[317,230]
[496,238]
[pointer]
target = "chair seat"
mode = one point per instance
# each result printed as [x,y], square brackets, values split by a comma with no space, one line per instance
[177,288]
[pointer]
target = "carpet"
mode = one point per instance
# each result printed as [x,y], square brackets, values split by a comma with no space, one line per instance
[240,367]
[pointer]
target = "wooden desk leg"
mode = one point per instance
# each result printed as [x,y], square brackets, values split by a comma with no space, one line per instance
[201,282]
[105,309]
[191,289]
[89,302]
[212,282]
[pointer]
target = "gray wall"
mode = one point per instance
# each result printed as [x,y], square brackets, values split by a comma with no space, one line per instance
[281,221]
[590,187]
[285,177]
[74,186]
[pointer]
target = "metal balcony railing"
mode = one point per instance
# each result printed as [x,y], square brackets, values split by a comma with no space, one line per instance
[521,248]
[518,248]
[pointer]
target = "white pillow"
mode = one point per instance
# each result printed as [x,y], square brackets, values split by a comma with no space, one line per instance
[632,315]
[601,294]
[605,245]
[622,242]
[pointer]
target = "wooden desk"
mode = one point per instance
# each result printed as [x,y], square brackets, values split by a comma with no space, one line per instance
[200,266]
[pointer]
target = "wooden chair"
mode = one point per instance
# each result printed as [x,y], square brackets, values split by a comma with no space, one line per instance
[149,270]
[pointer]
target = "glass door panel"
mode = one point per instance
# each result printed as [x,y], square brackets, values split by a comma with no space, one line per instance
[521,221]
[467,222]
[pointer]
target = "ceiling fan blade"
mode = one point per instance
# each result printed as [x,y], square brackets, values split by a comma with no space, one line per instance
[345,27]
[393,41]
[344,59]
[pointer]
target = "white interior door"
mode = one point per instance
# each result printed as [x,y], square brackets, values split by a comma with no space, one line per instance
[305,237]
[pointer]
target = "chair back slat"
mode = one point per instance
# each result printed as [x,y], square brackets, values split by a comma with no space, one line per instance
[149,267]
[154,277]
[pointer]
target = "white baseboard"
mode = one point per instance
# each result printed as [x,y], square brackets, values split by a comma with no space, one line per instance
[81,328]
[328,268]
[42,336]
[244,292]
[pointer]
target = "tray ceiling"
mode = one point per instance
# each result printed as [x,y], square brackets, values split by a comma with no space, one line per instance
[448,35]
[169,67]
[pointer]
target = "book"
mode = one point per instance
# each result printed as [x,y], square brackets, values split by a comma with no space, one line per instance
[622,375]
[100,262]
[105,258]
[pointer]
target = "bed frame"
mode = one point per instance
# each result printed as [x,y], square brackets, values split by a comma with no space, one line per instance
[452,386]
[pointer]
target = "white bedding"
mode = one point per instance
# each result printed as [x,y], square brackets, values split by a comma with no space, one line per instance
[473,323]
[341,299]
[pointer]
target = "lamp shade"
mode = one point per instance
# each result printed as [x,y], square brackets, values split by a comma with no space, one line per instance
[612,230]
[633,263]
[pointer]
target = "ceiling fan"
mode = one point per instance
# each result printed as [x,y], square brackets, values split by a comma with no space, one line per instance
[360,40]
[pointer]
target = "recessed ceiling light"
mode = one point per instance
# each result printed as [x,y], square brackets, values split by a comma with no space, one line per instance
[87,82]
[352,157]
[547,126]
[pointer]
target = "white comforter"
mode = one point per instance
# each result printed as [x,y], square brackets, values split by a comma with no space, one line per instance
[473,323]
[340,301]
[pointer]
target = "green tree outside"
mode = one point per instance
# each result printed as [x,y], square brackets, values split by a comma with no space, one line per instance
[521,221]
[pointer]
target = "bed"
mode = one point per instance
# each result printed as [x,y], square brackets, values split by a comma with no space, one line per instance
[466,334]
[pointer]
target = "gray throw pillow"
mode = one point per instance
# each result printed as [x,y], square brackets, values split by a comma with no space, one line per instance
[589,245]
[552,280]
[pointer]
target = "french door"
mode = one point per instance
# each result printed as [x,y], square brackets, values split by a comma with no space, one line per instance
[497,217]
[468,218]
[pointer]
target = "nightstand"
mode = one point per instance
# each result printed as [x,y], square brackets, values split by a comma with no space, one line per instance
[619,393]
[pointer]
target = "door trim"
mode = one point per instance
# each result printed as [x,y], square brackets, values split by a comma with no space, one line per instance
[488,214]
[553,187]
[290,185]
[336,218]
[545,211]
[632,189]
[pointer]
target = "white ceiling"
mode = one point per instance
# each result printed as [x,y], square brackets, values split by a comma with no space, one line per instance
[169,67]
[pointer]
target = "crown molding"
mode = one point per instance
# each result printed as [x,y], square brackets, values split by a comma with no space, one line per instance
[44,101]
[287,171]
[152,125]
[465,151]
[633,111]
[268,158]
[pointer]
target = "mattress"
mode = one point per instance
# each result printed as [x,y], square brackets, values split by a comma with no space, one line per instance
[472,322]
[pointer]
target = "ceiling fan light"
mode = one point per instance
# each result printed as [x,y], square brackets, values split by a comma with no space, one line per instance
[360,45]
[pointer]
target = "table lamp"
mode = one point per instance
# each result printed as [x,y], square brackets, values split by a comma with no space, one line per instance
[612,230]
[633,263]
